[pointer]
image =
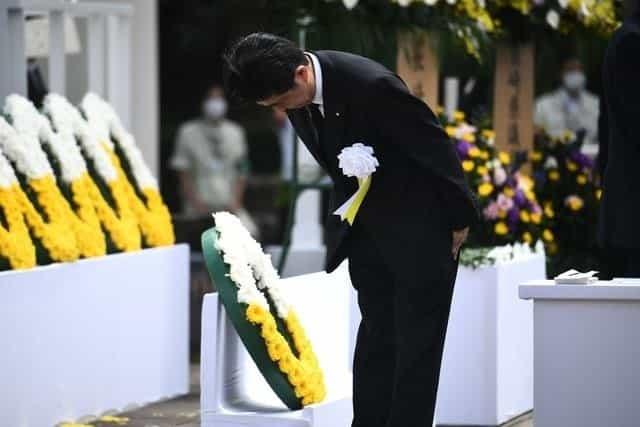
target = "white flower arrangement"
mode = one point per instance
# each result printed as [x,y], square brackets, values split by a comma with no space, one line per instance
[68,121]
[247,262]
[104,118]
[25,151]
[28,121]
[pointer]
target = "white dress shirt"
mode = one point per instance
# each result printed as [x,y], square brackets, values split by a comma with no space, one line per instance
[317,71]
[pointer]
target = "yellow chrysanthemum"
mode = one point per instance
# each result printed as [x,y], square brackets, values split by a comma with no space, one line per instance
[525,217]
[485,189]
[581,179]
[504,157]
[458,116]
[536,156]
[501,228]
[474,152]
[488,134]
[509,192]
[598,193]
[451,131]
[527,237]
[482,170]
[554,175]
[548,211]
[548,236]
[468,165]
[575,203]
[536,218]
[572,166]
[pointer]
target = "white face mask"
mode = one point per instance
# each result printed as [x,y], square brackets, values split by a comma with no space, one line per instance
[574,80]
[214,108]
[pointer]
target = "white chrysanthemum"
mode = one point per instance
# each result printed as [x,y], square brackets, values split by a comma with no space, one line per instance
[68,121]
[553,19]
[350,4]
[24,151]
[7,175]
[248,263]
[357,161]
[563,3]
[102,115]
[28,121]
[551,163]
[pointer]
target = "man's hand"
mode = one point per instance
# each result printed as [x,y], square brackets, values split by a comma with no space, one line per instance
[459,237]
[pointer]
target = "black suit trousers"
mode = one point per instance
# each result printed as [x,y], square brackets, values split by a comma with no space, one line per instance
[405,310]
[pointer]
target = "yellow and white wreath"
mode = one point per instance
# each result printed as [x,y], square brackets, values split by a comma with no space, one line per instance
[257,281]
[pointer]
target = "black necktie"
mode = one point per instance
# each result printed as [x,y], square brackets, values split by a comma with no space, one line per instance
[318,121]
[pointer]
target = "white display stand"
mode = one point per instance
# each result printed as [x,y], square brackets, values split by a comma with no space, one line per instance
[83,338]
[587,347]
[487,370]
[234,393]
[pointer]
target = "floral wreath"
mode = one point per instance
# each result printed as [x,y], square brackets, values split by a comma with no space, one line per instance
[116,215]
[71,178]
[140,186]
[252,272]
[40,201]
[16,246]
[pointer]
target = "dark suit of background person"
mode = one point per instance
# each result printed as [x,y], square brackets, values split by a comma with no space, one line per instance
[399,247]
[619,225]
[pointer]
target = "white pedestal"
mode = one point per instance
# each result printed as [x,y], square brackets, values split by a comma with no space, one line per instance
[587,348]
[487,370]
[301,260]
[82,338]
[234,393]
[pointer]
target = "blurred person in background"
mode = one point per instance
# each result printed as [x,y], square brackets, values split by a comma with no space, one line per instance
[211,159]
[570,108]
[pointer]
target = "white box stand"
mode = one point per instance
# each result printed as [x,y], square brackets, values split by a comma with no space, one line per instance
[102,334]
[234,393]
[587,345]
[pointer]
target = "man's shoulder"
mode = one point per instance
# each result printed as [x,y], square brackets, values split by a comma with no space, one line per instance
[360,68]
[548,99]
[190,127]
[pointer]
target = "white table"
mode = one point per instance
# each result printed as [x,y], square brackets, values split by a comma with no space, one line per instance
[586,353]
[102,334]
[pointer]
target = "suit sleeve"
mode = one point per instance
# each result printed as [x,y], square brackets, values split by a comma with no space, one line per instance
[407,122]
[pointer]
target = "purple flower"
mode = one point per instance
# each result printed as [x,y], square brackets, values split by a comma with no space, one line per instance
[581,159]
[513,216]
[504,203]
[491,211]
[520,198]
[463,149]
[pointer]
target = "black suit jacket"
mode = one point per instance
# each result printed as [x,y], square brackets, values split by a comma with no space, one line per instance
[619,225]
[418,193]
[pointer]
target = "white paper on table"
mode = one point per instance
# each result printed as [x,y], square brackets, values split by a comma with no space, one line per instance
[574,277]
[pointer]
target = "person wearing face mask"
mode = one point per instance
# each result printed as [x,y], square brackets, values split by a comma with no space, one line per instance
[212,162]
[570,108]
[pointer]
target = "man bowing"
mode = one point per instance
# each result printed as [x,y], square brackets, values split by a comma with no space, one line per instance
[400,210]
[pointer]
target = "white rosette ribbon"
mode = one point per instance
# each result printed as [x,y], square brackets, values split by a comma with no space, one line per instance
[356,161]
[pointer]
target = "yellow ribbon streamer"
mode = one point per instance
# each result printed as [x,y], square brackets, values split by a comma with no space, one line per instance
[349,210]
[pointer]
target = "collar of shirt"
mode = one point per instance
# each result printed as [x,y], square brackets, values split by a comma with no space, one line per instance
[317,71]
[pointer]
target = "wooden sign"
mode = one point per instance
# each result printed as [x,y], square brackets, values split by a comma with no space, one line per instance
[513,97]
[417,65]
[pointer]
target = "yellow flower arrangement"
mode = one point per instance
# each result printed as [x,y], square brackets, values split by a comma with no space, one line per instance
[527,237]
[548,236]
[571,166]
[15,242]
[488,134]
[458,116]
[525,217]
[581,179]
[536,218]
[554,175]
[548,210]
[474,152]
[482,170]
[303,372]
[152,214]
[509,192]
[118,220]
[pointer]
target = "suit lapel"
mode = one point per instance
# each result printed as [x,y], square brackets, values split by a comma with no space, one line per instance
[303,125]
[335,110]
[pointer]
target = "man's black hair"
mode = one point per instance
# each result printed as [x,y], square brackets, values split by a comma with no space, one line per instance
[261,65]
